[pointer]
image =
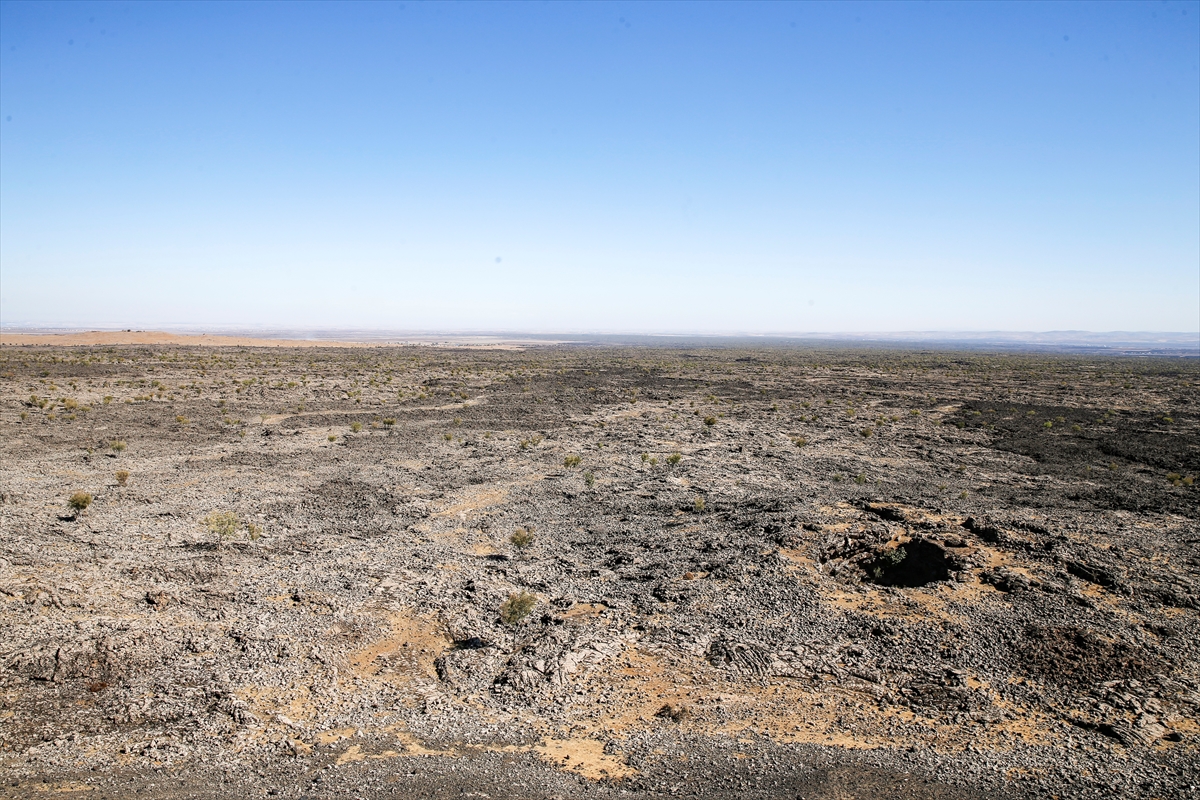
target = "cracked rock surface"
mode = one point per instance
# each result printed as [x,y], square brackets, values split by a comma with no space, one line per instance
[579,572]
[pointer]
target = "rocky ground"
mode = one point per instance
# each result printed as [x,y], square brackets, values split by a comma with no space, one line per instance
[575,572]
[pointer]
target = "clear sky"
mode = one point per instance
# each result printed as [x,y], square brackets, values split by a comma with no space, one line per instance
[612,166]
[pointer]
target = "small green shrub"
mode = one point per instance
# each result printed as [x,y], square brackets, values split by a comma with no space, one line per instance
[698,505]
[389,421]
[517,607]
[866,433]
[1047,424]
[860,479]
[122,477]
[674,459]
[222,523]
[117,445]
[181,419]
[521,538]
[79,501]
[356,427]
[332,437]
[572,461]
[710,421]
[589,478]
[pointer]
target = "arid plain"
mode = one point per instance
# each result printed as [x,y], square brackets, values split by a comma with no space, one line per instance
[566,571]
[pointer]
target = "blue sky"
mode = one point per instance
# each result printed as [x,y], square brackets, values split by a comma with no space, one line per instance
[713,167]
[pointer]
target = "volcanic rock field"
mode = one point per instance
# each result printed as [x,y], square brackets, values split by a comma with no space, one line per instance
[586,572]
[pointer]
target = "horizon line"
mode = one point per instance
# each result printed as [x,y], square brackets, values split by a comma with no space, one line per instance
[273,331]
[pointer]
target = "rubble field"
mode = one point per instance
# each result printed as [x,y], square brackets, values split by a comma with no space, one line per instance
[580,572]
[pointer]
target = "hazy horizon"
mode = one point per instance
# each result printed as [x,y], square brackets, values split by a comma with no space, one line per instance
[619,167]
[332,331]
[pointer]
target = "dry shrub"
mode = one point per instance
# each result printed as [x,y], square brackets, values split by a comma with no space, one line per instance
[517,607]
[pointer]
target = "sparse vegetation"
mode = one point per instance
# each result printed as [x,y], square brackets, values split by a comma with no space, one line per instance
[222,523]
[572,461]
[517,607]
[79,501]
[521,538]
[411,532]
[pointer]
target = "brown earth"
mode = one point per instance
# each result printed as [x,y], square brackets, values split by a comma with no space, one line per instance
[751,573]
